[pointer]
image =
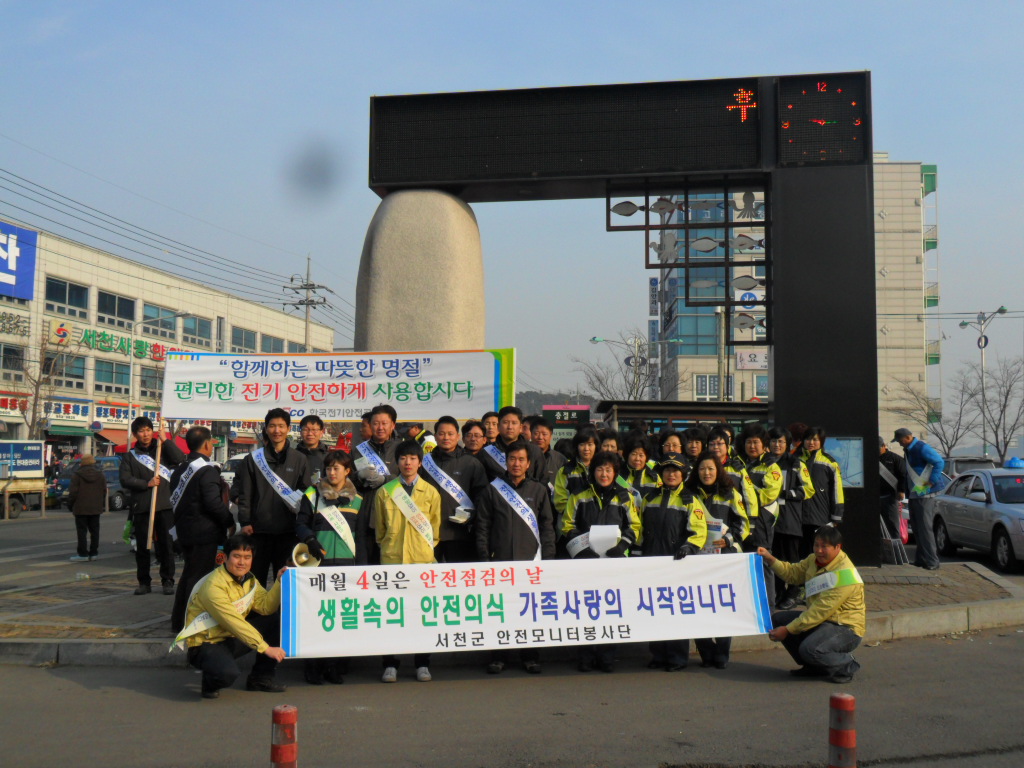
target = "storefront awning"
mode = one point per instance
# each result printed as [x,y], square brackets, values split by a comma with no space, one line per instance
[244,441]
[117,436]
[70,431]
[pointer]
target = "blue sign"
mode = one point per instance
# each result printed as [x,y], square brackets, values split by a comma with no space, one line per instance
[748,296]
[17,261]
[25,458]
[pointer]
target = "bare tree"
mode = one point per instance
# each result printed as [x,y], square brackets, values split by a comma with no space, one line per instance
[947,423]
[629,377]
[41,379]
[1002,408]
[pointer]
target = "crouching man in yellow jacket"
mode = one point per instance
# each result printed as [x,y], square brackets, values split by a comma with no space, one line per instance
[216,631]
[822,637]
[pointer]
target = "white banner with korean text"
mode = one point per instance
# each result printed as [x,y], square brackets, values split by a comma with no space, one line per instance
[374,610]
[338,387]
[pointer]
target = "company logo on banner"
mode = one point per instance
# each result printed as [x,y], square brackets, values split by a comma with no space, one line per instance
[365,611]
[338,387]
[17,261]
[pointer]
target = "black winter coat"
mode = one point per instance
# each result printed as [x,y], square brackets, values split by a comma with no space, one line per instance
[258,503]
[201,517]
[501,534]
[135,476]
[88,493]
[469,473]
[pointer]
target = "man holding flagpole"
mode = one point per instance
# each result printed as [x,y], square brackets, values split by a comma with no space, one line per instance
[140,473]
[217,632]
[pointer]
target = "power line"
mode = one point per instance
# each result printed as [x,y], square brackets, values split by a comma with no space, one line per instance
[143,197]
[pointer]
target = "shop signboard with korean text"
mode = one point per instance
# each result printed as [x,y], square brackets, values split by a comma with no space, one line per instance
[373,610]
[338,387]
[22,458]
[566,419]
[17,261]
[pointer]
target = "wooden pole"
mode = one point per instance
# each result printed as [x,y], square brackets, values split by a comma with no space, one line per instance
[156,488]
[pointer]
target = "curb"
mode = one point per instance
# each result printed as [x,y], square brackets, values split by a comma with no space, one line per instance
[881,626]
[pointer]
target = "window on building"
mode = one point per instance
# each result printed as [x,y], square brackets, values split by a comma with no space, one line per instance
[115,310]
[112,377]
[271,344]
[242,340]
[64,298]
[12,363]
[197,331]
[705,387]
[158,321]
[151,383]
[294,347]
[761,386]
[65,370]
[12,300]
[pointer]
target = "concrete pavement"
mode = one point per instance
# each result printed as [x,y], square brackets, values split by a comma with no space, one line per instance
[56,612]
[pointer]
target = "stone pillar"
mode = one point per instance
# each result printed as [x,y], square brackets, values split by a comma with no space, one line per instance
[421,276]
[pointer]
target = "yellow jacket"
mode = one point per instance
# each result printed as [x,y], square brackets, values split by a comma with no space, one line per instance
[218,595]
[400,542]
[840,605]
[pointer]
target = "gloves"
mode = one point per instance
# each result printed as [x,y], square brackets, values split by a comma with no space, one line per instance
[315,547]
[619,550]
[682,552]
[370,477]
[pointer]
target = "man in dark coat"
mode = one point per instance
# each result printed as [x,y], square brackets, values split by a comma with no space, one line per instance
[202,519]
[138,474]
[87,499]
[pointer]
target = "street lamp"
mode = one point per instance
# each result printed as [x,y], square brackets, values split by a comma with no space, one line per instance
[634,345]
[982,323]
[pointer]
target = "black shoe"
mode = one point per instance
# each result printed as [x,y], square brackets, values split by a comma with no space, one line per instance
[607,666]
[264,684]
[721,664]
[655,664]
[674,667]
[840,678]
[333,675]
[313,677]
[169,588]
[585,665]
[788,604]
[143,589]
[495,668]
[532,667]
[211,694]
[931,567]
[809,671]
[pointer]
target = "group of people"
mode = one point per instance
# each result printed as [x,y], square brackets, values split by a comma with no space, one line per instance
[496,490]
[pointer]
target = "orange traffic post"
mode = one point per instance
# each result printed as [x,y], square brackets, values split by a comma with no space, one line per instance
[842,731]
[284,740]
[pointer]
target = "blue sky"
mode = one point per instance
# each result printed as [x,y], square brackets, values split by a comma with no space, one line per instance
[190,119]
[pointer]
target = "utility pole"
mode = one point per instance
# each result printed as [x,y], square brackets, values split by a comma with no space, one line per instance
[310,300]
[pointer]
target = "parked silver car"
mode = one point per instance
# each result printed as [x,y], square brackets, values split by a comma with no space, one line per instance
[983,509]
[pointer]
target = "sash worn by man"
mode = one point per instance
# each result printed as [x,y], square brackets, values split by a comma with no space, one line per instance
[216,631]
[137,472]
[407,517]
[822,637]
[510,428]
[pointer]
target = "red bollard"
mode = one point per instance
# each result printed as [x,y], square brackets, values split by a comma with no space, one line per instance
[284,740]
[842,731]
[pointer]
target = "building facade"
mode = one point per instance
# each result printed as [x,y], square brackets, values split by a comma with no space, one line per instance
[696,364]
[84,335]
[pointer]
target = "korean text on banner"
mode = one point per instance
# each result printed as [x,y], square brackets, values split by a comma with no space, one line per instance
[373,610]
[338,387]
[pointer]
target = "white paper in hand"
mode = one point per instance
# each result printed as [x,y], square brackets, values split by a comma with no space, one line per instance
[603,538]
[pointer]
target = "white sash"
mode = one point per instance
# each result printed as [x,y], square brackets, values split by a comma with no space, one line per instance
[147,461]
[204,620]
[290,496]
[497,454]
[889,477]
[577,545]
[369,458]
[830,580]
[509,494]
[446,482]
[185,478]
[332,515]
[412,513]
